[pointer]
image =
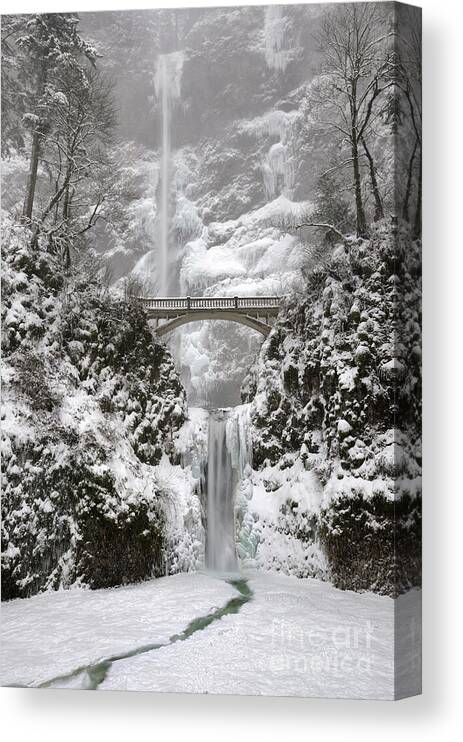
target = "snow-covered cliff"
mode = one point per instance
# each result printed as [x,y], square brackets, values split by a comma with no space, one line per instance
[334,404]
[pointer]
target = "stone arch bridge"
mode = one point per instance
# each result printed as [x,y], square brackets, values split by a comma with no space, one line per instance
[172,312]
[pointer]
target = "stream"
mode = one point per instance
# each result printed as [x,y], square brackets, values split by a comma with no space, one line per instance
[93,675]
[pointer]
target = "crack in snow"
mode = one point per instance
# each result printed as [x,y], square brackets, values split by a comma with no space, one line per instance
[98,671]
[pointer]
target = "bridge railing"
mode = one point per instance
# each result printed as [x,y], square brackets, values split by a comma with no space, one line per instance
[211,302]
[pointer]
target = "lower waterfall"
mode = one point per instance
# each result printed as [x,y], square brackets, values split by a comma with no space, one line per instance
[220,538]
[251,518]
[215,452]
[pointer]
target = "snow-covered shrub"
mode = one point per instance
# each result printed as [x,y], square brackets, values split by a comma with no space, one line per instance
[111,345]
[65,520]
[338,383]
[90,404]
[371,543]
[120,540]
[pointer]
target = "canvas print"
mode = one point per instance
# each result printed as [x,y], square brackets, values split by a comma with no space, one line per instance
[211,332]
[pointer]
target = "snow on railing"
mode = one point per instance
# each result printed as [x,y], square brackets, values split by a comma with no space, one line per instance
[214,302]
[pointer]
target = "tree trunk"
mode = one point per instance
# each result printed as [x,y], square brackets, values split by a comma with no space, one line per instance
[66,202]
[32,177]
[35,148]
[66,210]
[49,208]
[408,190]
[67,255]
[379,211]
[417,224]
[362,230]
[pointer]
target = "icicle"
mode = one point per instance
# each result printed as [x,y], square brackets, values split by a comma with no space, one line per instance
[275,34]
[239,439]
[278,163]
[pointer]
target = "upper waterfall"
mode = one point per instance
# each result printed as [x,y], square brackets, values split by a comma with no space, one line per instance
[167,85]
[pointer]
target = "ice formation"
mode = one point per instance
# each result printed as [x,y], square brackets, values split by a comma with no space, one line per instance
[275,34]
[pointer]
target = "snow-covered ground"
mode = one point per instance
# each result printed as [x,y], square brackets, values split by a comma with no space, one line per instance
[293,637]
[55,633]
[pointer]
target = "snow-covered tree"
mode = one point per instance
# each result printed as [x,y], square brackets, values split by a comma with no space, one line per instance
[77,155]
[38,48]
[349,93]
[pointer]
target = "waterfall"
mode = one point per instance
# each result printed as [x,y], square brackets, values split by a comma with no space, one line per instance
[229,462]
[167,83]
[220,541]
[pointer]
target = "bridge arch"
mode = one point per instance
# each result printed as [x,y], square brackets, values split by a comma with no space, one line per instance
[242,319]
[174,311]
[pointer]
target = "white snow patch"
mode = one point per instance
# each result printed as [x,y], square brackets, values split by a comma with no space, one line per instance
[57,632]
[294,638]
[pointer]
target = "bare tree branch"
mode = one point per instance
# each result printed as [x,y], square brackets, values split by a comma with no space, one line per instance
[322,225]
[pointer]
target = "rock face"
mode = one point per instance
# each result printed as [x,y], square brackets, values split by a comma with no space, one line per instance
[90,406]
[337,386]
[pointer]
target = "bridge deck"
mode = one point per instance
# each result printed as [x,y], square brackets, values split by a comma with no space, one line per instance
[166,307]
